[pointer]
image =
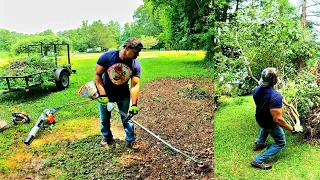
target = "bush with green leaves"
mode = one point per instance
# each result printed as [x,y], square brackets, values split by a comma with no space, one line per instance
[303,91]
[235,81]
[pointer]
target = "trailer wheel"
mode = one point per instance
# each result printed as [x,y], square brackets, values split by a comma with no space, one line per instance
[63,80]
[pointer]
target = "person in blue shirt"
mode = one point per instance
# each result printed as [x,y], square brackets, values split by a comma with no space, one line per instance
[113,71]
[269,117]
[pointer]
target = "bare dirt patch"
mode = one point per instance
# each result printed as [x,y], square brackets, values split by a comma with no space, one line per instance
[184,120]
[180,111]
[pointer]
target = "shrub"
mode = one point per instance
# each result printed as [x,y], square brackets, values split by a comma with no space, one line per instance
[303,91]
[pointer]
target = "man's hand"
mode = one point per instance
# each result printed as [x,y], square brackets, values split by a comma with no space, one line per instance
[103,100]
[297,129]
[134,109]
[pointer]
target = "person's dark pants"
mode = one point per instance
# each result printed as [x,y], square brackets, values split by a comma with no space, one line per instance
[105,116]
[280,141]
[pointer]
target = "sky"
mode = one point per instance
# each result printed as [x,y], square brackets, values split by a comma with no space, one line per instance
[34,16]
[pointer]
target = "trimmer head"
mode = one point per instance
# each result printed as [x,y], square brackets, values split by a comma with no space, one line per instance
[110,107]
[201,167]
[89,90]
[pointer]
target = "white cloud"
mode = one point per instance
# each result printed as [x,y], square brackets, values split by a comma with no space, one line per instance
[33,16]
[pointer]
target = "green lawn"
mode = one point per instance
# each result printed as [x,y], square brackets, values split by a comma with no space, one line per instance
[236,131]
[77,126]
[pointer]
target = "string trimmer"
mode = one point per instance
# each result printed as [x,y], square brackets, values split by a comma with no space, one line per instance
[90,90]
[199,166]
[17,118]
[47,117]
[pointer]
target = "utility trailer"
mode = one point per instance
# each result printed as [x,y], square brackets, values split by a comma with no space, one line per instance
[59,75]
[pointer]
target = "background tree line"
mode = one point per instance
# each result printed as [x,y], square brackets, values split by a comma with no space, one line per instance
[173,25]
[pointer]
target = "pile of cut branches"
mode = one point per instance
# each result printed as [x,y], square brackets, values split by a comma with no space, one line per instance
[27,66]
[24,67]
[312,123]
[193,91]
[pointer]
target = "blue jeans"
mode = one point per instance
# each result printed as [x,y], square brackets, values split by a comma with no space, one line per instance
[105,116]
[280,141]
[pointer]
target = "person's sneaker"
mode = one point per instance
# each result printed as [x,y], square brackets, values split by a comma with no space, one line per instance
[133,145]
[263,166]
[106,142]
[257,147]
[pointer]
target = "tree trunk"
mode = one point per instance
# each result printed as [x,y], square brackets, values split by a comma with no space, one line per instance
[304,13]
[299,64]
[304,24]
[232,53]
[237,6]
[225,13]
[235,11]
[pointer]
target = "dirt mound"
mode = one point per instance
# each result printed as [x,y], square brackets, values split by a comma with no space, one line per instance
[180,111]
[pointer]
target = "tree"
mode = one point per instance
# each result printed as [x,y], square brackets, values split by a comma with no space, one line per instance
[307,7]
[187,24]
[47,32]
[268,36]
[94,35]
[7,39]
[115,30]
[21,45]
[126,32]
[147,19]
[148,41]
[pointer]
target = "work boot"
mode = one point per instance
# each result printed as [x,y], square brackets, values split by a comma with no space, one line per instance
[257,147]
[133,145]
[106,142]
[261,165]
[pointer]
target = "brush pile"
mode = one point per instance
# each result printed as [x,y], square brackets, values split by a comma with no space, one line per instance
[25,67]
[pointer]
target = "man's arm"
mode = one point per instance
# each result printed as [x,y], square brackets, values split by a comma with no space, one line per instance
[278,119]
[98,79]
[135,89]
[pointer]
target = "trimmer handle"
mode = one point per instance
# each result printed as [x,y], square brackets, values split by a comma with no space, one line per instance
[128,118]
[110,107]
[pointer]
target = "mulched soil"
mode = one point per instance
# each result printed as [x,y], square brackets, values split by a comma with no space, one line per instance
[182,121]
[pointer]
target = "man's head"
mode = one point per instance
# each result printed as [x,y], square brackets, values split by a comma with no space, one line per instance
[268,77]
[132,47]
